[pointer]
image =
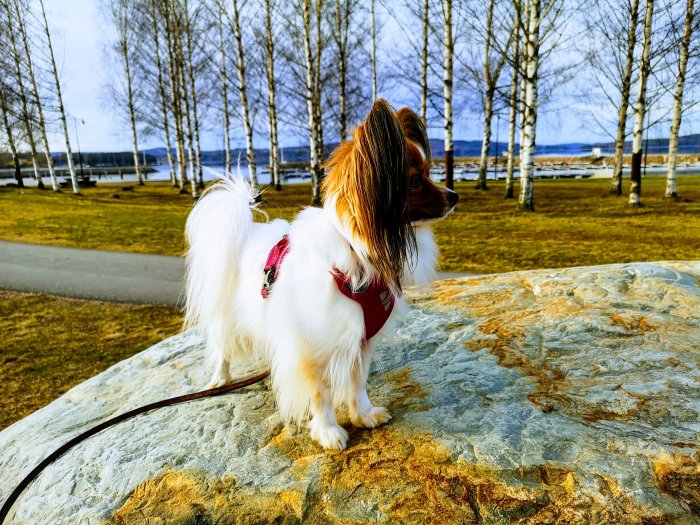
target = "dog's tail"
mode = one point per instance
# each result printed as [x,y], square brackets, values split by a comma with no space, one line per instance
[216,231]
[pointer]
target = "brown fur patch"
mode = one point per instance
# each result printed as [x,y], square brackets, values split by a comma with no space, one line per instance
[368,178]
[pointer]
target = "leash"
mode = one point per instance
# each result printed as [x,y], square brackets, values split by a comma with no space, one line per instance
[5,510]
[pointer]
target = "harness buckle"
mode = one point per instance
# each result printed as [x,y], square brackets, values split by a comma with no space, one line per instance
[268,279]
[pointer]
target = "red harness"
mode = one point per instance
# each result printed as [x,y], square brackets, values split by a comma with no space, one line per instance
[376,299]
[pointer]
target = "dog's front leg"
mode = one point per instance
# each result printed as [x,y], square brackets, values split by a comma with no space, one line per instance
[363,413]
[323,426]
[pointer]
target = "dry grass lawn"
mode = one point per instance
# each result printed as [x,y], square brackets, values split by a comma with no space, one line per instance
[50,344]
[576,223]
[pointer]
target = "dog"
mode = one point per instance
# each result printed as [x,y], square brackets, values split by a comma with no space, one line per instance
[312,297]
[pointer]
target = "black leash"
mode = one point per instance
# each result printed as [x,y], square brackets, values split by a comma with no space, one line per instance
[113,421]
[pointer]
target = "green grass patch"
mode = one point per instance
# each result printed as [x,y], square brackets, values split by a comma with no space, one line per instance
[576,222]
[50,344]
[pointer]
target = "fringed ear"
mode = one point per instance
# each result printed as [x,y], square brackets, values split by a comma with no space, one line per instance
[414,128]
[368,177]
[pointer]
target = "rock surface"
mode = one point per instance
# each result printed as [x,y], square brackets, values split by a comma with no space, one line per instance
[552,396]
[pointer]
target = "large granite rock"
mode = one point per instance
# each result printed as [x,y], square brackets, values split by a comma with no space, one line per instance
[553,396]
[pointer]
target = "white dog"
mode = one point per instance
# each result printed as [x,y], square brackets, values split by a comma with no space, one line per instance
[311,297]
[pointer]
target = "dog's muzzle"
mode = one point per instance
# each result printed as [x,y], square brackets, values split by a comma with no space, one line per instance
[452,198]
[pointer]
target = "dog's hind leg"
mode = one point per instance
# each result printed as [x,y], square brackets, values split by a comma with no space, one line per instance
[363,413]
[218,354]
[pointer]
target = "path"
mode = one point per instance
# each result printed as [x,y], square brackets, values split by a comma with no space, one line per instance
[91,274]
[95,274]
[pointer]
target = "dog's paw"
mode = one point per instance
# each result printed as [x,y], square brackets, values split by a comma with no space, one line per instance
[219,379]
[372,418]
[331,436]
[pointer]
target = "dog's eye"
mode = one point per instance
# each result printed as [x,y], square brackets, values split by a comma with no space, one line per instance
[415,181]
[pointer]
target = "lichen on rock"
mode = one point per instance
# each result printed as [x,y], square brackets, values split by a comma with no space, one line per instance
[550,396]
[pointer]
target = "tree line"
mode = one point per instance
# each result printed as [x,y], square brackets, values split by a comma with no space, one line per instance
[312,68]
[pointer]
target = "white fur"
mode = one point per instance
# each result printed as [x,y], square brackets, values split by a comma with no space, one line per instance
[307,330]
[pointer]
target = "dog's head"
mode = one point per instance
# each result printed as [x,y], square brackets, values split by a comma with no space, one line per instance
[379,184]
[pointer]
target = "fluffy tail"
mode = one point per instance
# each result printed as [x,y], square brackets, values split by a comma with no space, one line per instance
[216,231]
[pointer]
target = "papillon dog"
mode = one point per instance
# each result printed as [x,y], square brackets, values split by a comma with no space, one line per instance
[311,298]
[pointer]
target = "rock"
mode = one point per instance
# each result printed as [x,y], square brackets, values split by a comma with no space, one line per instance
[551,396]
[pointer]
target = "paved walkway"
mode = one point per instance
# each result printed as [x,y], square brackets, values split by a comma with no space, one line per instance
[91,274]
[95,274]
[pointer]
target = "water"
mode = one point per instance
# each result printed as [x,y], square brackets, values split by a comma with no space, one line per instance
[437,173]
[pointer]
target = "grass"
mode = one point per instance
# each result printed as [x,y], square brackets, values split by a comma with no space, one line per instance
[576,223]
[50,344]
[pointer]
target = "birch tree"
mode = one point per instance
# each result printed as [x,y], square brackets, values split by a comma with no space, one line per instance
[59,99]
[223,72]
[242,87]
[448,50]
[373,22]
[513,100]
[688,28]
[640,108]
[342,22]
[190,67]
[121,15]
[313,90]
[19,81]
[533,21]
[19,15]
[612,30]
[179,23]
[271,97]
[5,109]
[163,98]
[169,14]
[491,75]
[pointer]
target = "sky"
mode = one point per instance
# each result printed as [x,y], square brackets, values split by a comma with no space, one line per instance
[78,29]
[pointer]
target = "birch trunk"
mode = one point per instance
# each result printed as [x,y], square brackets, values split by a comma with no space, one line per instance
[169,15]
[184,92]
[224,94]
[59,98]
[447,93]
[527,160]
[341,28]
[311,104]
[424,65]
[22,92]
[271,99]
[640,110]
[317,89]
[175,90]
[240,67]
[616,187]
[162,94]
[36,97]
[513,107]
[671,191]
[4,107]
[193,91]
[488,102]
[374,50]
[124,46]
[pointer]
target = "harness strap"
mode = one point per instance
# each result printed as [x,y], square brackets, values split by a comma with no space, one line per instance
[376,300]
[272,265]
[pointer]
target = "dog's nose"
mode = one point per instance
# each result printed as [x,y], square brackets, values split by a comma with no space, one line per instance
[452,198]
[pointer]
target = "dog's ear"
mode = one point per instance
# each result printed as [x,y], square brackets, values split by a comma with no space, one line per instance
[368,177]
[415,130]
